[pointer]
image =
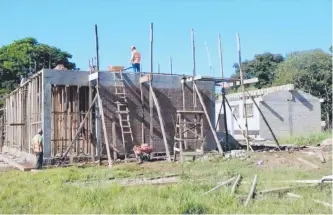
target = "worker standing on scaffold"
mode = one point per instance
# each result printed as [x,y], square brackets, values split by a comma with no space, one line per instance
[135,59]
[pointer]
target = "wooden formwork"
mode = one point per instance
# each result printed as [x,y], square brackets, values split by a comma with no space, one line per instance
[23,114]
[69,106]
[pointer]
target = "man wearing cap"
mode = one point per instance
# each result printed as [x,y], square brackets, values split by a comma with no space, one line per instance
[37,147]
[135,59]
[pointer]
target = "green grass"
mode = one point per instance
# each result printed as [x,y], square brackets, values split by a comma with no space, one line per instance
[310,139]
[47,192]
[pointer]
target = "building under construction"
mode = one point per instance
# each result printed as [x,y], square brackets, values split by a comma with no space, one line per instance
[130,109]
[109,114]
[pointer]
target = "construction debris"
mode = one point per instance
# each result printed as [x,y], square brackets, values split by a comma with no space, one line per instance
[236,183]
[320,202]
[252,190]
[220,185]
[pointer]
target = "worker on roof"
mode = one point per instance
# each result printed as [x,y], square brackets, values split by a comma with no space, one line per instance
[135,59]
[37,147]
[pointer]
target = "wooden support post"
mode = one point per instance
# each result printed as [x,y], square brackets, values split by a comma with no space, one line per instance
[170,65]
[265,120]
[162,125]
[184,108]
[243,91]
[100,105]
[97,114]
[208,119]
[77,109]
[223,92]
[143,113]
[240,128]
[193,69]
[151,105]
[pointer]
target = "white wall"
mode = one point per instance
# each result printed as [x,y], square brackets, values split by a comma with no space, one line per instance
[253,122]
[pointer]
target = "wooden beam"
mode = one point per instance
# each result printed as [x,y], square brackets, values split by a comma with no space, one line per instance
[161,124]
[145,78]
[265,120]
[252,190]
[208,119]
[107,145]
[17,124]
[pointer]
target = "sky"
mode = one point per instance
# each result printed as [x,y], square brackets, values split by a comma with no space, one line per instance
[276,26]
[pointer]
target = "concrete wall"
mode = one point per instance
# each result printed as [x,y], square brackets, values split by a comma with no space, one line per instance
[290,114]
[169,94]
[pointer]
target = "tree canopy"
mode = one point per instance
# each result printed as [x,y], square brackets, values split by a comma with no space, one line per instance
[263,67]
[26,56]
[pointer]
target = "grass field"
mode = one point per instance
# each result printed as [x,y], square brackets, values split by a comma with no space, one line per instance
[48,192]
[310,139]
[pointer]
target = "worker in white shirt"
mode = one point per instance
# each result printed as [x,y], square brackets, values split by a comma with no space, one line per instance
[135,59]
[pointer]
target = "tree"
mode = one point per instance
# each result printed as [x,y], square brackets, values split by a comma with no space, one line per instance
[311,72]
[262,66]
[26,56]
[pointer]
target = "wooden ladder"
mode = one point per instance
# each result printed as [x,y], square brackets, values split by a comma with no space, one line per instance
[122,110]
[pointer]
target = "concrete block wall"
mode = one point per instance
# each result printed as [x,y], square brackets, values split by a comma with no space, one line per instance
[290,113]
[169,94]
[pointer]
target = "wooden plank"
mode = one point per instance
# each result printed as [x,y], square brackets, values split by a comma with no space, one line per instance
[222,184]
[17,124]
[145,78]
[22,167]
[252,190]
[208,119]
[78,130]
[161,124]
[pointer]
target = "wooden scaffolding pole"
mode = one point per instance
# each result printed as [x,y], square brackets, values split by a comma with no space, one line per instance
[265,120]
[161,124]
[151,105]
[223,92]
[106,140]
[243,91]
[208,119]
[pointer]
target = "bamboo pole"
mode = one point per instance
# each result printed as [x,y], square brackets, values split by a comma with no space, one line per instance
[208,119]
[223,91]
[107,145]
[162,126]
[236,183]
[170,65]
[243,91]
[151,105]
[252,190]
[265,120]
